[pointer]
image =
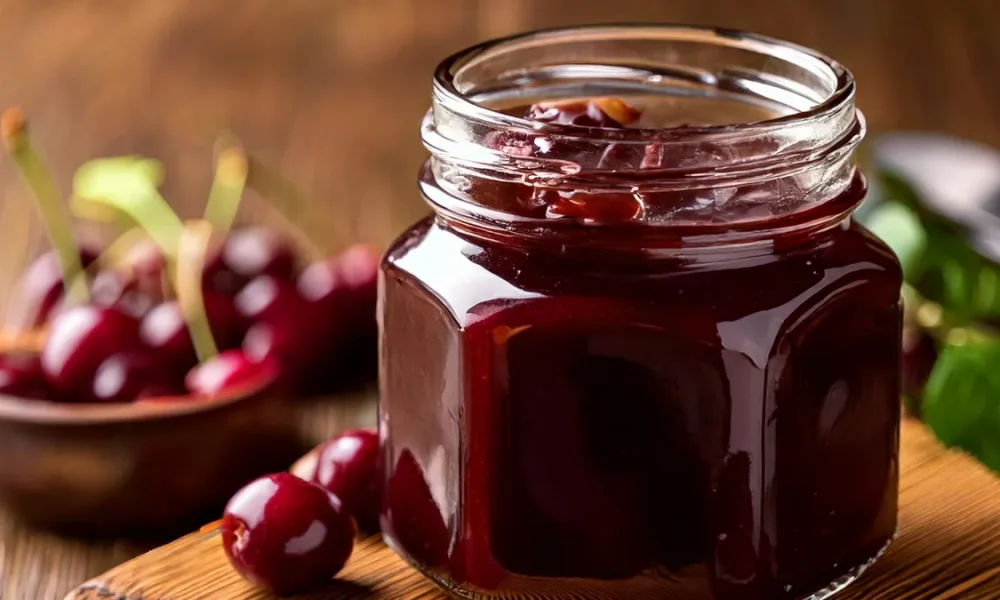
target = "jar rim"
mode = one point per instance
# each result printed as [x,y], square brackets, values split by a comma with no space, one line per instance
[744,172]
[445,87]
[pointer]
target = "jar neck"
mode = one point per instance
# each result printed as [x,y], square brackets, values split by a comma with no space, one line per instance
[712,177]
[785,232]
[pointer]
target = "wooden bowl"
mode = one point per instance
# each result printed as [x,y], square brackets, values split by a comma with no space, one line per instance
[142,468]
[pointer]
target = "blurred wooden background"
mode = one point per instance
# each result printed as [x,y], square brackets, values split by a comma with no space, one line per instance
[332,92]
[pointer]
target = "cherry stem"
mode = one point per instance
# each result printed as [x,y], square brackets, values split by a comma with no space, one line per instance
[286,202]
[227,187]
[127,186]
[193,246]
[14,131]
[209,527]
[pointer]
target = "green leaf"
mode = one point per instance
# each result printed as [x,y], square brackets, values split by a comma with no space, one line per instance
[900,228]
[962,399]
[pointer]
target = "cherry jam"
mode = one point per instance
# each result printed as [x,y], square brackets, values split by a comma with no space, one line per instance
[685,400]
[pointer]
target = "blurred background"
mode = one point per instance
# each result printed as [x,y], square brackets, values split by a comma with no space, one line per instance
[332,92]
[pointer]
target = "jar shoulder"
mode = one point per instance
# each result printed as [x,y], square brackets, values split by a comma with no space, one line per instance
[464,274]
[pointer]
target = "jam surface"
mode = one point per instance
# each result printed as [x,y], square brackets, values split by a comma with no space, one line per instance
[623,420]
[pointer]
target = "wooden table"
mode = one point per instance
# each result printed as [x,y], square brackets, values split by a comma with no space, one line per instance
[948,546]
[332,93]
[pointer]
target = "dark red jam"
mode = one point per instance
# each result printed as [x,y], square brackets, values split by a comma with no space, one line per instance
[599,409]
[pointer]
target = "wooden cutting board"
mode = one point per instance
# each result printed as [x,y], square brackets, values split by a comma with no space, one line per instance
[948,547]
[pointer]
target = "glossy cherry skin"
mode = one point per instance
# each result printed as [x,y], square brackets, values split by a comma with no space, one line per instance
[130,376]
[288,329]
[42,284]
[230,369]
[80,339]
[267,298]
[164,329]
[348,466]
[21,375]
[287,535]
[246,254]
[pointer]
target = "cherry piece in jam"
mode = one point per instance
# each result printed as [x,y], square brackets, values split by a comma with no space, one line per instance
[347,466]
[611,113]
[598,208]
[287,535]
[80,339]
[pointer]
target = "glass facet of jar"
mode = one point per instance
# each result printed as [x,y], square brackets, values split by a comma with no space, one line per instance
[652,362]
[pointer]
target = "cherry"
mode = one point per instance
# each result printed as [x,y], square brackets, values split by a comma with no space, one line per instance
[287,535]
[136,283]
[42,284]
[414,516]
[21,375]
[246,254]
[347,466]
[322,328]
[130,376]
[165,331]
[266,298]
[80,339]
[230,369]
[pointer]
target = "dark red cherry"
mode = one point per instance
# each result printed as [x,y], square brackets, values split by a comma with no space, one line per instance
[230,369]
[135,284]
[258,251]
[289,330]
[42,285]
[347,466]
[414,516]
[287,535]
[345,290]
[266,298]
[80,339]
[130,376]
[21,375]
[218,277]
[164,329]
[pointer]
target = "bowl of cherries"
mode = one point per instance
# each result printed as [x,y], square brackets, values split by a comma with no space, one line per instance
[143,382]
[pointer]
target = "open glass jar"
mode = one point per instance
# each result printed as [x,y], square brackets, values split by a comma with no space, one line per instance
[651,361]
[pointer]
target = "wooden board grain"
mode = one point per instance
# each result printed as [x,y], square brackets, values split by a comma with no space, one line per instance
[948,547]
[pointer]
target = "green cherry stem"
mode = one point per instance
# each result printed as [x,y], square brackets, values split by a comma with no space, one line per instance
[129,185]
[227,187]
[13,130]
[195,238]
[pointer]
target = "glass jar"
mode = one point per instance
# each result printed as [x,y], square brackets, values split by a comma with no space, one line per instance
[659,361]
